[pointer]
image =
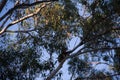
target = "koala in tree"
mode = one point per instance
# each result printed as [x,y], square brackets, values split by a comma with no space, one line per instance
[63,54]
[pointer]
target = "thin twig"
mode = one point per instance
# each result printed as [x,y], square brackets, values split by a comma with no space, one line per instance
[5,21]
[23,31]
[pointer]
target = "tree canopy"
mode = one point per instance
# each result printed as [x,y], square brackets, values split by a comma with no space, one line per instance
[40,37]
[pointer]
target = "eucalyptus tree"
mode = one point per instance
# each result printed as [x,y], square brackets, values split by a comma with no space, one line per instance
[41,42]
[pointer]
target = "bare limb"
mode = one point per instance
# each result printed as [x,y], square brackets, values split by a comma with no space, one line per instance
[22,6]
[102,63]
[98,49]
[23,18]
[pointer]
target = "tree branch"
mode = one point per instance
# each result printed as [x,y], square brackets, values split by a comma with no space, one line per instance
[23,31]
[56,70]
[59,67]
[23,18]
[96,36]
[5,21]
[98,49]
[83,22]
[23,6]
[73,55]
[2,4]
